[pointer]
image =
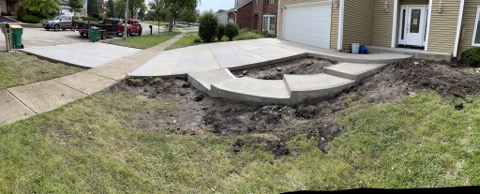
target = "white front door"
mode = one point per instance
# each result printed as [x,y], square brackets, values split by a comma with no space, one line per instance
[413,21]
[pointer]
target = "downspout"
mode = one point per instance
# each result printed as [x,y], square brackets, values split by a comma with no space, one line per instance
[235,13]
[340,25]
[459,28]
[394,27]
[278,19]
[430,5]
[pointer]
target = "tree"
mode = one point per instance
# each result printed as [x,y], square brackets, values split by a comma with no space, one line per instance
[36,6]
[173,8]
[75,5]
[208,26]
[188,15]
[92,8]
[110,9]
[134,7]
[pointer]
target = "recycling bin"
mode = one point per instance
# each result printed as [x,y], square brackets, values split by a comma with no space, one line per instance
[17,32]
[94,33]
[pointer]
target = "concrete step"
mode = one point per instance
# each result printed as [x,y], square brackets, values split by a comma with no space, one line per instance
[253,90]
[353,71]
[303,87]
[203,80]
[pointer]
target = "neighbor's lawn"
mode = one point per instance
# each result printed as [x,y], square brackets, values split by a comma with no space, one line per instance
[19,69]
[143,42]
[185,41]
[87,146]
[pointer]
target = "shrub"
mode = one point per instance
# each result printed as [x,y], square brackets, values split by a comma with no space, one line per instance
[208,26]
[197,40]
[30,19]
[220,32]
[231,30]
[471,57]
[248,35]
[21,13]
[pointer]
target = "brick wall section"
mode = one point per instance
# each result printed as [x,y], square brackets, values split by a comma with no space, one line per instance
[245,16]
[260,10]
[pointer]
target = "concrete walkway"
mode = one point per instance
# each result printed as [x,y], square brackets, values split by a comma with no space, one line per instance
[28,100]
[235,54]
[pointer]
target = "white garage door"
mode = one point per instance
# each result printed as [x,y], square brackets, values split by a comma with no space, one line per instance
[309,24]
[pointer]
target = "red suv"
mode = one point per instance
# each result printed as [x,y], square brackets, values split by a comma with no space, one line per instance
[133,27]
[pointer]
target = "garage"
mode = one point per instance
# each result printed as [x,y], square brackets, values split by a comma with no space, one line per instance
[308,24]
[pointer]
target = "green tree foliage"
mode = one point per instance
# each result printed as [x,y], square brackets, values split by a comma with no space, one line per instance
[110,9]
[38,6]
[231,30]
[134,7]
[208,26]
[174,7]
[75,5]
[92,8]
[189,15]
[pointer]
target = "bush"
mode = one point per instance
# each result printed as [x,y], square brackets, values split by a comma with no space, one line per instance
[220,32]
[21,13]
[231,30]
[197,40]
[471,57]
[208,26]
[30,19]
[249,35]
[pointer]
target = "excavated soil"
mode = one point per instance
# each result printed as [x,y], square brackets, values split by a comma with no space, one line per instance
[273,125]
[300,66]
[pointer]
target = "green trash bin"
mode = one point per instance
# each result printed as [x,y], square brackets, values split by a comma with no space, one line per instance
[17,32]
[94,33]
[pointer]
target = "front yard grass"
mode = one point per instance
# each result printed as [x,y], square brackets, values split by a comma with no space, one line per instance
[19,69]
[185,41]
[88,146]
[143,42]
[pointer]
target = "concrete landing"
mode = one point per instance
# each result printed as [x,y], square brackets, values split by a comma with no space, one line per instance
[303,87]
[253,90]
[416,53]
[353,71]
[204,80]
[82,54]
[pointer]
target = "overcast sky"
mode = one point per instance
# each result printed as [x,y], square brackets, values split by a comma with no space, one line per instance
[215,5]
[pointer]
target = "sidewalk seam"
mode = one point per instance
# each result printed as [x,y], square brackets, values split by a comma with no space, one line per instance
[55,80]
[21,101]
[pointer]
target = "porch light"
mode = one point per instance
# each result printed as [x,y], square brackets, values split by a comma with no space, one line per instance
[440,7]
[386,7]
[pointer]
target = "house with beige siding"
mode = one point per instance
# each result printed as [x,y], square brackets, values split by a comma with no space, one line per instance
[435,26]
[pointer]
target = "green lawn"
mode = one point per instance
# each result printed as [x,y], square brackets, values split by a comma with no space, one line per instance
[87,147]
[19,68]
[185,41]
[143,42]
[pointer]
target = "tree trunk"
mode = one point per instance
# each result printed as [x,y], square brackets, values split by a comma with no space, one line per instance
[170,25]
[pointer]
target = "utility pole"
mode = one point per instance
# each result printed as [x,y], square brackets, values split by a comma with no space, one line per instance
[125,22]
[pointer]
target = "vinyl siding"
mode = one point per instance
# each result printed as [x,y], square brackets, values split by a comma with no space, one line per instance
[382,23]
[3,6]
[358,23]
[334,28]
[443,26]
[469,14]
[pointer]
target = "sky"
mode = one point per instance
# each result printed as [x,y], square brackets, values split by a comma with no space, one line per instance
[215,5]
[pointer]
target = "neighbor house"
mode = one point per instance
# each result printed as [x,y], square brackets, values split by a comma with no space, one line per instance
[222,16]
[443,26]
[255,14]
[8,7]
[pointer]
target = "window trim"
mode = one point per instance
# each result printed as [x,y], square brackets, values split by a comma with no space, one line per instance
[256,3]
[267,25]
[271,2]
[477,18]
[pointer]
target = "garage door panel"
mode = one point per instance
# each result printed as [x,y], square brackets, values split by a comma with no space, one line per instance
[308,24]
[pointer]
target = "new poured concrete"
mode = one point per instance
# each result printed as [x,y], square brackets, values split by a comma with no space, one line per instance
[353,71]
[82,54]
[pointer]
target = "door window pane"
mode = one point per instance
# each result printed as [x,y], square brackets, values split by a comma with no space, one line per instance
[415,21]
[403,23]
[272,24]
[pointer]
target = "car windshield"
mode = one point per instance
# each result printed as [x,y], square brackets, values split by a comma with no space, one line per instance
[57,17]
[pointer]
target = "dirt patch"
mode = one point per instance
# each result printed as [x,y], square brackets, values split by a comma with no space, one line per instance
[301,66]
[273,125]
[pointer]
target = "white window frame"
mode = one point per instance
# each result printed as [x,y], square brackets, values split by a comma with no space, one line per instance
[266,25]
[271,2]
[256,2]
[477,17]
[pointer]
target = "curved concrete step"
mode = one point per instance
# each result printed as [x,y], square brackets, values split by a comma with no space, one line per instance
[303,87]
[204,80]
[253,90]
[353,71]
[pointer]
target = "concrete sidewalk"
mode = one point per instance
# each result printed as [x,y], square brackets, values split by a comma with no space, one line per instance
[28,100]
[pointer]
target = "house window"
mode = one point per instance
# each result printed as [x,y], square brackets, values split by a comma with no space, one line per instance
[268,23]
[476,31]
[256,2]
[271,2]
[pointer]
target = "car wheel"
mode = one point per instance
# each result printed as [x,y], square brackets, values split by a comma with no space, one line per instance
[82,34]
[140,33]
[56,27]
